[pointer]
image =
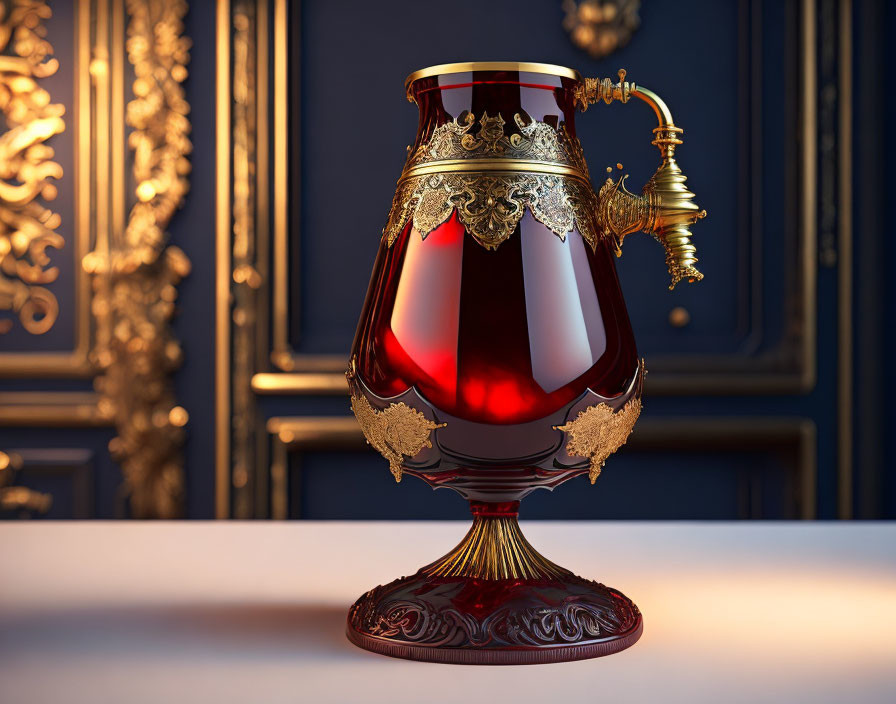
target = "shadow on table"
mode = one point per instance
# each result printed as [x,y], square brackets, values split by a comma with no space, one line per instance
[302,630]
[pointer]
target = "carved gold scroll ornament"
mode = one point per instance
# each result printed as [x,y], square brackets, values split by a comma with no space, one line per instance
[136,275]
[27,228]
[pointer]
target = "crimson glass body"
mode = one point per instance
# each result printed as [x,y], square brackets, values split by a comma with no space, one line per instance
[500,336]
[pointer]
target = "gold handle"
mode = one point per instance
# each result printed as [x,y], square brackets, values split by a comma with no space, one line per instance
[665,208]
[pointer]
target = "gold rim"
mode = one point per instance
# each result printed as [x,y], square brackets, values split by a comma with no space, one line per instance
[467,66]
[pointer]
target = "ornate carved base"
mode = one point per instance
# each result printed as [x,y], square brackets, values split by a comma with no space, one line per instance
[456,611]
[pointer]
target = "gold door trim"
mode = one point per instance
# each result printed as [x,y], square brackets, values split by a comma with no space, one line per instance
[222,264]
[60,409]
[242,246]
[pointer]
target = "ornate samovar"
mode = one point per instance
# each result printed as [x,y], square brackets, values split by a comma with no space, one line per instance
[494,354]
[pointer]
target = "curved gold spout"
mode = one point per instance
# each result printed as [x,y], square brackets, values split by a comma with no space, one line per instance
[665,208]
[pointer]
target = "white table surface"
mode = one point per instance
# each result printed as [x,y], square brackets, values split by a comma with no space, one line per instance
[254,612]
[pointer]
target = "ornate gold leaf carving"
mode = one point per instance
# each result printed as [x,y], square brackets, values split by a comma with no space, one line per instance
[27,229]
[397,432]
[136,275]
[491,203]
[598,431]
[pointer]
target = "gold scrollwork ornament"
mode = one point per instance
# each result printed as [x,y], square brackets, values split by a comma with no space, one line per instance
[27,228]
[135,275]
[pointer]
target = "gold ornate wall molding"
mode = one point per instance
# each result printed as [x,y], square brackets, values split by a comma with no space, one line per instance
[21,466]
[19,499]
[27,169]
[136,273]
[25,24]
[242,230]
[36,243]
[252,250]
[247,268]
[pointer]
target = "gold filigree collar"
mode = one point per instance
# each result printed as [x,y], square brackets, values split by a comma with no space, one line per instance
[490,177]
[455,146]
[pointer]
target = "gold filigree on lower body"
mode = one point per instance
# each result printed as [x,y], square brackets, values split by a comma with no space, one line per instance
[396,432]
[491,205]
[598,431]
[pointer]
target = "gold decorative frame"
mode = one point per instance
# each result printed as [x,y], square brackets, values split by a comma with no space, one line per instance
[122,330]
[242,231]
[72,463]
[306,433]
[295,373]
[73,363]
[27,228]
[136,273]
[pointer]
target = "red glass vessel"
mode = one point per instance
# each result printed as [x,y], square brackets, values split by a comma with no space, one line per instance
[494,356]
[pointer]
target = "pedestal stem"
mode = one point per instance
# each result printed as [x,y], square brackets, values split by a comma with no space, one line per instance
[494,600]
[495,548]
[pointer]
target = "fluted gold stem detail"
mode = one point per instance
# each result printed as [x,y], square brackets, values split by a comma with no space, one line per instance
[494,548]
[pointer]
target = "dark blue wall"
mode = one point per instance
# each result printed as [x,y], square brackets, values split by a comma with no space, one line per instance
[742,155]
[193,230]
